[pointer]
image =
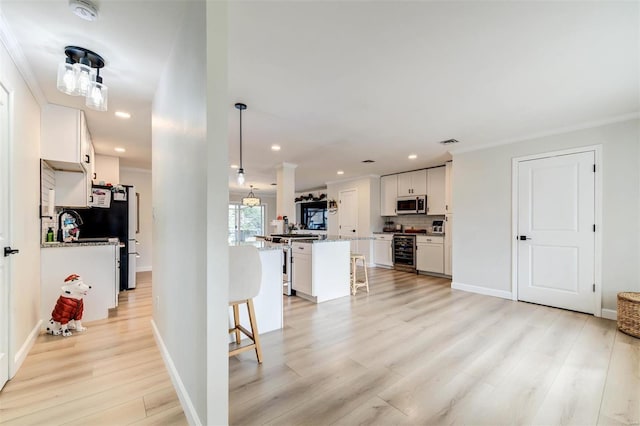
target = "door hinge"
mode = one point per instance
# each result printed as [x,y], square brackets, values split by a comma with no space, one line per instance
[594,227]
[594,168]
[594,288]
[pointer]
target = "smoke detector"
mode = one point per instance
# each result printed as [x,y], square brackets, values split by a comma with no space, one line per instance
[84,9]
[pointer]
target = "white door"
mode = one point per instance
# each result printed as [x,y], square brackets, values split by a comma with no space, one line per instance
[556,240]
[348,216]
[4,240]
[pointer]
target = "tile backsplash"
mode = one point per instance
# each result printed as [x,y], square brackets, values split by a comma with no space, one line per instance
[416,221]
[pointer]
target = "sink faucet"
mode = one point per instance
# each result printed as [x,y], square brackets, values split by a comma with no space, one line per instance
[73,213]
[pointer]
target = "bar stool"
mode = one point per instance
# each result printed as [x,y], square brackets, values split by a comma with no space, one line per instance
[355,283]
[245,275]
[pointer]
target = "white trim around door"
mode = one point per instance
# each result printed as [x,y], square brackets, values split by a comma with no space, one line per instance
[597,150]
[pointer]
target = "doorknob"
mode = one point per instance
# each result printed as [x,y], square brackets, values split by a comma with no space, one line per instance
[524,237]
[9,250]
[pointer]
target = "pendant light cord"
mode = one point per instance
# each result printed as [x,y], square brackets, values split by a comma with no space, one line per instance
[241,138]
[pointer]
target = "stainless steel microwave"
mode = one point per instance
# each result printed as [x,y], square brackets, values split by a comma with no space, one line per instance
[411,205]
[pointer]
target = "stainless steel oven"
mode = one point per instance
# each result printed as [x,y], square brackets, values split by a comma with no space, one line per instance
[404,252]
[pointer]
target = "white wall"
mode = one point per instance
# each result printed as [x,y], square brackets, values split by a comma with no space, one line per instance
[482,199]
[190,195]
[141,179]
[24,145]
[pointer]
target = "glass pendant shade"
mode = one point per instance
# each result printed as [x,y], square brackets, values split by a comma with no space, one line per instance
[97,96]
[251,200]
[66,78]
[85,75]
[240,177]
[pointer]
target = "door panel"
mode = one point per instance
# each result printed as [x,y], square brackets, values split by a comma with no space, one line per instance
[348,216]
[4,240]
[556,205]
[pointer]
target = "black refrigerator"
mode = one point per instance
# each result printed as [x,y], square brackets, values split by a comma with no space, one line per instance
[118,220]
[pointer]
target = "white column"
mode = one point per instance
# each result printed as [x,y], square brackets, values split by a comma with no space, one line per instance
[285,196]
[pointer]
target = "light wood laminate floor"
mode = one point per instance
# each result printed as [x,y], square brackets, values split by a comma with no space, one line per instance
[414,351]
[111,374]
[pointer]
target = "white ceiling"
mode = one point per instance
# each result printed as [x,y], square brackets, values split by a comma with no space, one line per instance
[335,83]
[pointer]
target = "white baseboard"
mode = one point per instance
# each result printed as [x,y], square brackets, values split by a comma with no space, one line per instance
[611,314]
[22,353]
[183,396]
[143,268]
[481,290]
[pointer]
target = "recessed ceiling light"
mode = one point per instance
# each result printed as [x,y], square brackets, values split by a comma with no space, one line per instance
[118,149]
[340,172]
[275,147]
[412,156]
[234,166]
[123,114]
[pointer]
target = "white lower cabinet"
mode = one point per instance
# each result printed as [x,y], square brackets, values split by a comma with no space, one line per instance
[98,265]
[303,280]
[383,250]
[321,270]
[430,254]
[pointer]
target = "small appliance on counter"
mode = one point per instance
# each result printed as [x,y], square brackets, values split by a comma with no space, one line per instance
[388,226]
[437,227]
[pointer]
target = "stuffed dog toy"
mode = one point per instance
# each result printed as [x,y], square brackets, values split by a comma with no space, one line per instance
[67,313]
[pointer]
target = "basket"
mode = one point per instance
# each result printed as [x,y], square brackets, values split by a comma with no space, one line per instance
[629,313]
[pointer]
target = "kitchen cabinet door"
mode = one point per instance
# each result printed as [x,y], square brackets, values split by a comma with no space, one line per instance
[302,278]
[63,141]
[436,191]
[73,189]
[388,195]
[382,250]
[430,258]
[412,183]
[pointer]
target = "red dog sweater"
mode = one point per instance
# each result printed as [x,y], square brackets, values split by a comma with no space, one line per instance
[67,309]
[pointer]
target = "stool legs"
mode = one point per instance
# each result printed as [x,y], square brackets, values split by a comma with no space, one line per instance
[253,334]
[355,284]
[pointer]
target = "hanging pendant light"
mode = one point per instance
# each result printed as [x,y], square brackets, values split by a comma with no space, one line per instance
[241,107]
[251,200]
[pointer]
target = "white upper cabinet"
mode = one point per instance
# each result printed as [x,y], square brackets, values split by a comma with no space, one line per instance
[65,140]
[436,191]
[388,195]
[107,169]
[448,195]
[412,183]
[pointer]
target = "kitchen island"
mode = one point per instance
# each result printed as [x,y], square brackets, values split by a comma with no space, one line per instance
[98,265]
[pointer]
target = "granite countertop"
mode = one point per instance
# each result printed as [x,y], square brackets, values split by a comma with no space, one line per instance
[82,244]
[428,234]
[261,245]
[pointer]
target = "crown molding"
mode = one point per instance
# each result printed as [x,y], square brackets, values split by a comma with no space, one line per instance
[558,131]
[17,55]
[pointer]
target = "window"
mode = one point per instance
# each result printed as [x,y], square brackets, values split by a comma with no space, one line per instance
[245,222]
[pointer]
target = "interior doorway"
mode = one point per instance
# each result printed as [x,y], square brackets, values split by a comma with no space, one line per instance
[5,263]
[555,230]
[348,216]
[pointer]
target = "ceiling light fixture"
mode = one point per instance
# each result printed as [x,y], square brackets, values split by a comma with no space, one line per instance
[84,9]
[241,107]
[340,172]
[79,75]
[234,166]
[251,200]
[275,147]
[412,156]
[123,114]
[118,149]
